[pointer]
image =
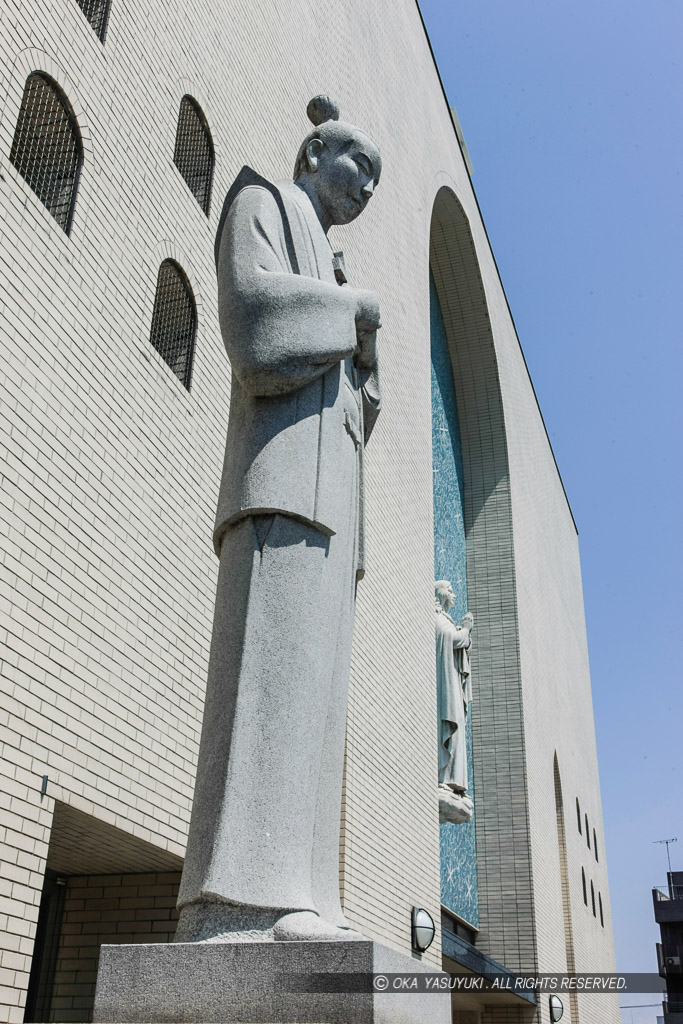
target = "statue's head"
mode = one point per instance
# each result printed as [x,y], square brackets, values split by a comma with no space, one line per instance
[443,591]
[338,165]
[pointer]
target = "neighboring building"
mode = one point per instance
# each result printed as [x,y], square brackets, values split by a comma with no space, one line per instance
[122,126]
[668,904]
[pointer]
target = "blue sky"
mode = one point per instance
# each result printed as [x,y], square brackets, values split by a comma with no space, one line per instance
[572,115]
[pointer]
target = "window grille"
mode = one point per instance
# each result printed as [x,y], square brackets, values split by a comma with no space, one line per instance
[47,149]
[174,321]
[96,12]
[194,156]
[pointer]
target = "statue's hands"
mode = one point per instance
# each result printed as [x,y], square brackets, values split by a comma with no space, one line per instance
[368,322]
[366,356]
[468,622]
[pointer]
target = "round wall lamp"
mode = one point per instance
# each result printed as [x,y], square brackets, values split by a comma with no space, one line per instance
[556,1008]
[423,929]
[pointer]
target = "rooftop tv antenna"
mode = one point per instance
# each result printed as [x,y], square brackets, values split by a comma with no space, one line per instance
[668,842]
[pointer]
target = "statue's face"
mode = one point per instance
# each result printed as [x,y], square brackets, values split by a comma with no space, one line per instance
[344,180]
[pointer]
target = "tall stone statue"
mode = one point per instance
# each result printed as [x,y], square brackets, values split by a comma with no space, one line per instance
[262,858]
[262,861]
[454,694]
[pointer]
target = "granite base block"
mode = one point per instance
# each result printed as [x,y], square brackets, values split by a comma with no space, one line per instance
[260,983]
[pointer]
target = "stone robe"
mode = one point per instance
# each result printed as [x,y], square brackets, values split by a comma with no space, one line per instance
[264,836]
[454,694]
[289,330]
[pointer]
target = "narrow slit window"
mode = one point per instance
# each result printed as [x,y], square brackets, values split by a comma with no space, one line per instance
[595,845]
[602,919]
[583,883]
[588,834]
[593,899]
[194,153]
[47,149]
[174,321]
[96,12]
[578,814]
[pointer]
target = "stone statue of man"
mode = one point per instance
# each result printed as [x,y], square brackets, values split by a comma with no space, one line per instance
[454,693]
[262,858]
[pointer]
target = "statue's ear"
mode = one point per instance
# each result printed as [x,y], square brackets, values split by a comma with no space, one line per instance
[313,152]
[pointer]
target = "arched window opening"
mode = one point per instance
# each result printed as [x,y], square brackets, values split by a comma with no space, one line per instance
[583,883]
[593,899]
[96,12]
[588,835]
[47,149]
[578,814]
[194,154]
[595,845]
[174,321]
[602,919]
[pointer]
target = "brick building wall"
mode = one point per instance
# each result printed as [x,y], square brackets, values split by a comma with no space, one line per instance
[111,469]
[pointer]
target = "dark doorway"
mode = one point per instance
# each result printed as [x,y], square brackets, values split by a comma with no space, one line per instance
[41,978]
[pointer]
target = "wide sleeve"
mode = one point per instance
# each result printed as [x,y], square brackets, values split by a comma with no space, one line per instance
[281,329]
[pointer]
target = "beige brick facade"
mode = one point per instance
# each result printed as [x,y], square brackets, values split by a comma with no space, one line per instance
[110,472]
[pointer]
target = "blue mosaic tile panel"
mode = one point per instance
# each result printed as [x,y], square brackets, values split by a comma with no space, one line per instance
[458,848]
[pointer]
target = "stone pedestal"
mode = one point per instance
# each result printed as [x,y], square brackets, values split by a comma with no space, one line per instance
[454,807]
[257,982]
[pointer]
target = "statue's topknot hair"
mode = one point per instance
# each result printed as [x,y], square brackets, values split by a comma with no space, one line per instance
[322,108]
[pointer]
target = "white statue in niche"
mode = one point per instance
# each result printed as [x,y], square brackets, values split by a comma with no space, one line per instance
[454,694]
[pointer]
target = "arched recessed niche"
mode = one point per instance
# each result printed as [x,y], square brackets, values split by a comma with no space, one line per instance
[501,816]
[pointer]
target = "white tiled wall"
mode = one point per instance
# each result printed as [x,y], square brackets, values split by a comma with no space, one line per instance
[111,470]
